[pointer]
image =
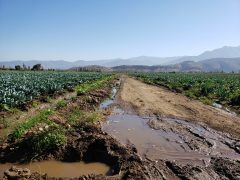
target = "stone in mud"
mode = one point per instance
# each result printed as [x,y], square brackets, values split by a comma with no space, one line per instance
[17,173]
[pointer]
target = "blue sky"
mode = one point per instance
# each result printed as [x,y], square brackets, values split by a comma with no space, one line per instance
[102,29]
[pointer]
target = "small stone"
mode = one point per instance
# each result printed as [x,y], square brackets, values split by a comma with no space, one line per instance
[40,129]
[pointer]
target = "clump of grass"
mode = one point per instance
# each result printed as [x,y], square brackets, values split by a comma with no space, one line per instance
[48,99]
[74,116]
[206,100]
[4,122]
[61,104]
[49,139]
[31,122]
[35,104]
[4,107]
[93,116]
[77,115]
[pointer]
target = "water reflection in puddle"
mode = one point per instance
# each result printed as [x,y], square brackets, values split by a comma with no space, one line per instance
[173,140]
[157,144]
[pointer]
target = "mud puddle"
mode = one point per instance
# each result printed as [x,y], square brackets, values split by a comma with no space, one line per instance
[155,144]
[61,169]
[110,100]
[170,139]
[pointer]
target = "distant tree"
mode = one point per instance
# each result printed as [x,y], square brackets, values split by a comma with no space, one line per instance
[18,67]
[24,67]
[37,67]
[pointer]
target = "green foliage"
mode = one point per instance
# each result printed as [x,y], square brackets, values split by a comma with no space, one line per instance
[235,100]
[48,99]
[49,139]
[77,115]
[17,88]
[84,88]
[4,107]
[74,116]
[31,122]
[206,87]
[93,116]
[35,104]
[61,103]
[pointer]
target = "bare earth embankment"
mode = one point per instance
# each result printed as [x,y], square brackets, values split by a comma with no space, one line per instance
[149,100]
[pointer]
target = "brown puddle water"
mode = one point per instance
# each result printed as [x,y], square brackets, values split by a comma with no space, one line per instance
[61,169]
[172,139]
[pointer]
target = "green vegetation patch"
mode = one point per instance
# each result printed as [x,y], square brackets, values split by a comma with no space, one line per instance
[50,138]
[31,122]
[84,88]
[61,103]
[18,88]
[76,115]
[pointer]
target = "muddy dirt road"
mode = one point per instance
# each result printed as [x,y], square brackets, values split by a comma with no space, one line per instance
[149,100]
[176,136]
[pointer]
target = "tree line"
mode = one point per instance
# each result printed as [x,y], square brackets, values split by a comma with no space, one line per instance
[36,67]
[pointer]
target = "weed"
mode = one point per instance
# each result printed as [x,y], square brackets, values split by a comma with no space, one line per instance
[93,116]
[49,139]
[206,100]
[48,99]
[74,115]
[4,107]
[35,104]
[77,115]
[61,103]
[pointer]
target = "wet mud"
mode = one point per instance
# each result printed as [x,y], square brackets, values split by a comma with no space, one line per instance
[87,143]
[130,146]
[175,148]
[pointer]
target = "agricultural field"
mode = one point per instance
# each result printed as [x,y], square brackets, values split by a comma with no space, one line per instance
[94,121]
[19,88]
[207,87]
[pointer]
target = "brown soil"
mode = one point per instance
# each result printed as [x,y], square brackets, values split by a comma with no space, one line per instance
[152,100]
[87,142]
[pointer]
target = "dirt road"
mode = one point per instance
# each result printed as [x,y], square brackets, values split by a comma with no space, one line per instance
[149,100]
[171,133]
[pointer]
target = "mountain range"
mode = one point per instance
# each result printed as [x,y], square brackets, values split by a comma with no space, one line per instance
[226,58]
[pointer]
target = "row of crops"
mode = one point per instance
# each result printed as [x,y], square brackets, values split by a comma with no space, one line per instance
[221,88]
[17,88]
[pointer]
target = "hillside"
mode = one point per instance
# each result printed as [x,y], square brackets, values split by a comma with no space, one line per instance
[220,60]
[210,65]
